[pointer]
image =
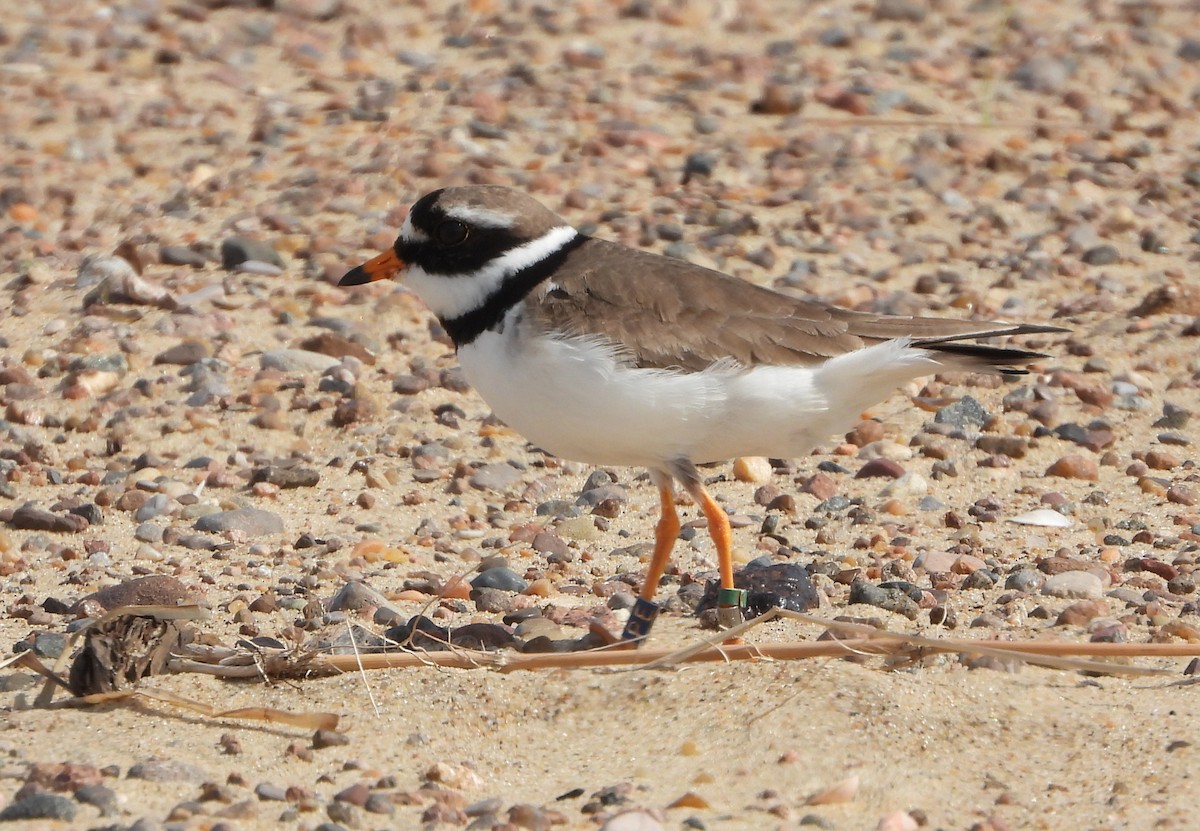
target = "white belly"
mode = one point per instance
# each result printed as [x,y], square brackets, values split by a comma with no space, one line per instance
[571,396]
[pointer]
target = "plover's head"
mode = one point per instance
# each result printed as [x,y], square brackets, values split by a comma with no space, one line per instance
[458,246]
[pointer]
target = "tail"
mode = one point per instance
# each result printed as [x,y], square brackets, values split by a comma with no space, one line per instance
[978,357]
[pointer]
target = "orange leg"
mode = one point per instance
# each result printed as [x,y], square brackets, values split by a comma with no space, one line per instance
[665,534]
[643,613]
[719,530]
[730,599]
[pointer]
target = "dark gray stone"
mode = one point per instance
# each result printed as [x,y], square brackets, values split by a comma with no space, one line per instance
[40,806]
[964,413]
[504,579]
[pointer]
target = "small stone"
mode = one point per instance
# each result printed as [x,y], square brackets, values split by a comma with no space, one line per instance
[1102,255]
[181,255]
[1081,612]
[778,99]
[183,354]
[355,794]
[1043,73]
[936,562]
[881,469]
[166,770]
[501,578]
[1181,494]
[329,738]
[151,590]
[768,586]
[409,384]
[1074,466]
[821,485]
[1161,460]
[890,599]
[904,11]
[1189,49]
[238,250]
[270,793]
[43,644]
[1081,585]
[547,542]
[253,522]
[30,518]
[99,796]
[497,476]
[297,361]
[338,346]
[40,806]
[286,477]
[865,432]
[1027,580]
[966,413]
[755,469]
[356,595]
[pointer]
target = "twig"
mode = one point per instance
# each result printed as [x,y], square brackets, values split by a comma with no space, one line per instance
[362,673]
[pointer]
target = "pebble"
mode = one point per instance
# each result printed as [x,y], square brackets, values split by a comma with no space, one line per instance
[500,578]
[39,806]
[181,255]
[1074,585]
[1027,580]
[167,770]
[236,251]
[297,361]
[100,797]
[754,469]
[31,518]
[1081,612]
[768,586]
[965,413]
[253,522]
[909,484]
[1074,466]
[356,595]
[1102,255]
[286,477]
[183,354]
[151,590]
[497,476]
[890,599]
[821,485]
[880,469]
[903,11]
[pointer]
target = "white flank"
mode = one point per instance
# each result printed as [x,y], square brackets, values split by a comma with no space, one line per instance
[576,398]
[449,296]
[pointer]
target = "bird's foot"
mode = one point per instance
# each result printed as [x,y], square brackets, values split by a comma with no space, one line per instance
[641,618]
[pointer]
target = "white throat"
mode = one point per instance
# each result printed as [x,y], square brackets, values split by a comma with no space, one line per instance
[450,296]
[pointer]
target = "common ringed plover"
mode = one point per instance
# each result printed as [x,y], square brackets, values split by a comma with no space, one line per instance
[614,356]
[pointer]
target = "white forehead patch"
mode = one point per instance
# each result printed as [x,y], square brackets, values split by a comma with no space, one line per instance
[451,296]
[408,233]
[480,217]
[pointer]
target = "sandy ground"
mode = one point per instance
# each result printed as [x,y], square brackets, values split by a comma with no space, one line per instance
[953,159]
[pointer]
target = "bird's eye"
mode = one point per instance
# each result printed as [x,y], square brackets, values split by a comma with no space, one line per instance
[450,232]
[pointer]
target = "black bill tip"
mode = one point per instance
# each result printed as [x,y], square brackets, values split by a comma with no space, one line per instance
[356,276]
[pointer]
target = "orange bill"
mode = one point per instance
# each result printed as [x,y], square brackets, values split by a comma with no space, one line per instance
[383,267]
